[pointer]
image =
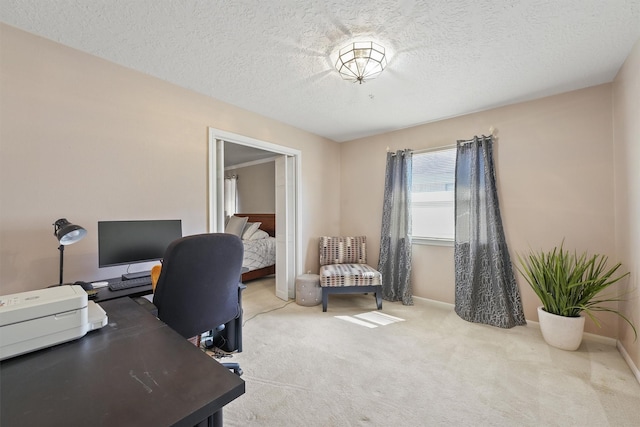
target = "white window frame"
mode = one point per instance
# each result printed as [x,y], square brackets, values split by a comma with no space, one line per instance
[433,241]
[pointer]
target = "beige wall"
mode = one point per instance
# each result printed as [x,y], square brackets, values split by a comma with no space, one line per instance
[256,188]
[554,161]
[72,126]
[626,113]
[89,140]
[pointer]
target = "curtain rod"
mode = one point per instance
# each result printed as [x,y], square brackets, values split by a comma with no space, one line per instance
[492,132]
[393,154]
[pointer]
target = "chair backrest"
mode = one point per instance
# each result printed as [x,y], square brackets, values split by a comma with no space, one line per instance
[343,250]
[197,290]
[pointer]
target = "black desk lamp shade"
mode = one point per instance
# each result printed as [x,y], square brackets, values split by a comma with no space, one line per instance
[67,234]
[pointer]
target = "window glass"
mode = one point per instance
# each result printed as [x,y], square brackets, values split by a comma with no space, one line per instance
[432,193]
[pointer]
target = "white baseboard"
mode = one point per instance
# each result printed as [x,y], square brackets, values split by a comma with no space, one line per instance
[433,301]
[587,335]
[627,358]
[600,339]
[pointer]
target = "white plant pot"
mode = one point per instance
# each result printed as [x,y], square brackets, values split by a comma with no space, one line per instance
[560,331]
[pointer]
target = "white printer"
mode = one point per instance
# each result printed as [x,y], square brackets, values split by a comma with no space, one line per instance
[38,319]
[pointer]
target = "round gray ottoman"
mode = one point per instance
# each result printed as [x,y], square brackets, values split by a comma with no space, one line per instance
[308,290]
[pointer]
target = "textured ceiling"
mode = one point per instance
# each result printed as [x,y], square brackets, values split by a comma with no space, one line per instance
[446,57]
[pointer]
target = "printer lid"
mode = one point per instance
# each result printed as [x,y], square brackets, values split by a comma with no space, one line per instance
[29,305]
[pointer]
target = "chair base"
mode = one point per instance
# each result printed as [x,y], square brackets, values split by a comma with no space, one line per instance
[233,366]
[375,289]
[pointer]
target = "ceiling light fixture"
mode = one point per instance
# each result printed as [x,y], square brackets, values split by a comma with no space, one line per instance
[361,61]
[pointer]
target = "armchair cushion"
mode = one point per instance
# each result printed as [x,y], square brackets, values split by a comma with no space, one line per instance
[344,269]
[349,275]
[343,250]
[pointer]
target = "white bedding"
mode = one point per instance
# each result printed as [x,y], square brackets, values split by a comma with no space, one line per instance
[259,253]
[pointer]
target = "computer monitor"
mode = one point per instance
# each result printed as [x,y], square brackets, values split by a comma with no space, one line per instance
[131,242]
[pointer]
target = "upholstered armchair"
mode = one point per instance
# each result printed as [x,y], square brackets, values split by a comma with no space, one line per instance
[344,269]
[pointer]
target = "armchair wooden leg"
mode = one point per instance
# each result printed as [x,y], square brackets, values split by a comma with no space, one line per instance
[376,289]
[379,297]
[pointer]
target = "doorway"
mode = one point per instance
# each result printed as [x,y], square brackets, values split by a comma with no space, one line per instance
[288,256]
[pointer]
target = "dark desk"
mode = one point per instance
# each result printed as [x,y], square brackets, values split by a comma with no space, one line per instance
[134,371]
[233,330]
[105,294]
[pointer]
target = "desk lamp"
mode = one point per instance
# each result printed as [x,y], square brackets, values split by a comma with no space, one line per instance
[67,234]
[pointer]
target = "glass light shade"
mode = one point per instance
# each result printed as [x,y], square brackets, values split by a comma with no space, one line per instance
[361,61]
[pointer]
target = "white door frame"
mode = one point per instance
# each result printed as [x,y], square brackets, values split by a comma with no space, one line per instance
[285,218]
[215,192]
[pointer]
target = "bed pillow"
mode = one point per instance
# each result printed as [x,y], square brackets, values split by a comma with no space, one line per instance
[249,229]
[236,225]
[258,235]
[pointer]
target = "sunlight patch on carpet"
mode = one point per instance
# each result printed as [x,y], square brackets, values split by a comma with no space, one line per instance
[372,319]
[356,321]
[379,318]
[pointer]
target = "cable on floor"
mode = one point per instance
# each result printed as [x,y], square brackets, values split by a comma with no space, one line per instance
[267,311]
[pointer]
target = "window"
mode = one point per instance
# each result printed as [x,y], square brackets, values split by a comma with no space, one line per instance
[230,195]
[432,193]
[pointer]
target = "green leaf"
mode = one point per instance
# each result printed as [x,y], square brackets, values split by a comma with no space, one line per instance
[567,284]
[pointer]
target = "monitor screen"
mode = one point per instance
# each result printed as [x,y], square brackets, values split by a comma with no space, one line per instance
[130,242]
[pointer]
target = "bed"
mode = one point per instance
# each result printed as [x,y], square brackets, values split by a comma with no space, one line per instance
[260,253]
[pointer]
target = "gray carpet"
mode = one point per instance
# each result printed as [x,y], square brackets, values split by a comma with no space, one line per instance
[303,367]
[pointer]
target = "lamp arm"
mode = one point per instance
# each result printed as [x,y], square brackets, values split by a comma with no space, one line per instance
[61,249]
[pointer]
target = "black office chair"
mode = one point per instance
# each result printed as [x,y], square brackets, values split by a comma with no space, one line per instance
[198,287]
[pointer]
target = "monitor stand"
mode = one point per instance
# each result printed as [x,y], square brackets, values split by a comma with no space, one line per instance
[129,276]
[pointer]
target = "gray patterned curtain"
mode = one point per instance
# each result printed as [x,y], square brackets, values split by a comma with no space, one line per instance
[486,289]
[395,240]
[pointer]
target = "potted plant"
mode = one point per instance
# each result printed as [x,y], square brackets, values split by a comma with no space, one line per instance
[569,287]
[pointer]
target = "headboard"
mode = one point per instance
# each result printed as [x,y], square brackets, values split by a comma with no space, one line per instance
[268,221]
